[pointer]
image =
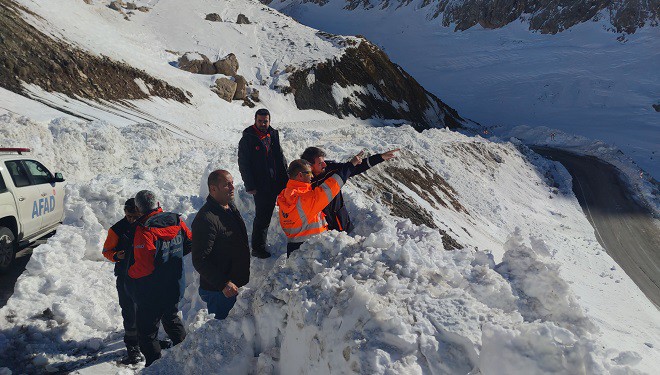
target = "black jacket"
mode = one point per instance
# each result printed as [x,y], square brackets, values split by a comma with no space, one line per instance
[220,250]
[335,213]
[261,170]
[125,231]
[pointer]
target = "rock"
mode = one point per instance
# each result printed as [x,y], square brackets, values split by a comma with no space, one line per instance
[248,103]
[227,65]
[656,107]
[143,9]
[225,88]
[197,63]
[88,2]
[214,17]
[131,6]
[254,95]
[241,88]
[386,91]
[115,5]
[242,20]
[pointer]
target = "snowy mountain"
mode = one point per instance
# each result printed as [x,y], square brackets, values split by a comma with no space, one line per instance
[34,63]
[470,255]
[625,16]
[586,79]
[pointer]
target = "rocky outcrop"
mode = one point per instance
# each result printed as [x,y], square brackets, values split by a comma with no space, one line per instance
[254,95]
[196,63]
[242,19]
[546,16]
[27,55]
[227,65]
[213,17]
[366,84]
[225,88]
[241,88]
[116,5]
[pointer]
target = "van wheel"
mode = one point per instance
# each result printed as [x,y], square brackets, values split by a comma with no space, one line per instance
[7,248]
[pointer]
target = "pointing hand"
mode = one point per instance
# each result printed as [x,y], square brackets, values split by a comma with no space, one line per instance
[389,154]
[357,159]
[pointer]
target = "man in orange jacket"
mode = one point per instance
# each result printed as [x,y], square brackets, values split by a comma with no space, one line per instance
[301,206]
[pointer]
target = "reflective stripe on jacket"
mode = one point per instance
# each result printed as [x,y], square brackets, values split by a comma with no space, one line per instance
[335,212]
[301,205]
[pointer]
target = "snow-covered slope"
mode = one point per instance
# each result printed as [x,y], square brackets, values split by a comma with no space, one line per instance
[581,81]
[154,40]
[269,49]
[530,290]
[469,254]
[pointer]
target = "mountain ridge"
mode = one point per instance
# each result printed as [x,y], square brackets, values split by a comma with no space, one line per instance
[545,16]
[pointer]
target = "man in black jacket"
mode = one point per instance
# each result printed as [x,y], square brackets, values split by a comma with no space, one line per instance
[335,212]
[220,251]
[263,169]
[118,248]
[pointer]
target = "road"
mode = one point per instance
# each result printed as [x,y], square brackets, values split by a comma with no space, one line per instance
[625,229]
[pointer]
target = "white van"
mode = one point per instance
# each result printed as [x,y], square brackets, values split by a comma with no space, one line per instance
[31,202]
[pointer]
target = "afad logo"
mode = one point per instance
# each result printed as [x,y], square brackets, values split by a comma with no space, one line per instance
[43,206]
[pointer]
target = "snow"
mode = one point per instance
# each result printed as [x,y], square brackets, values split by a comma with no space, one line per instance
[526,291]
[531,290]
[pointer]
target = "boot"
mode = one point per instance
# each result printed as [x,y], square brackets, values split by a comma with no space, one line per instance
[260,253]
[133,356]
[165,343]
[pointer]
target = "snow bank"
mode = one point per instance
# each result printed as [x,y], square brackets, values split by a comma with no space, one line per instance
[396,302]
[387,299]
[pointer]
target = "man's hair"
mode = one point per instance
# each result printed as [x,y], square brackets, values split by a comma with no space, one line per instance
[311,153]
[261,112]
[130,206]
[216,176]
[297,166]
[145,201]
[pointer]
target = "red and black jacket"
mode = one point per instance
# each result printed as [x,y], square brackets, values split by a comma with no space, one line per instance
[335,212]
[161,241]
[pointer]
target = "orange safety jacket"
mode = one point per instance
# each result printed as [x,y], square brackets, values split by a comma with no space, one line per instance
[301,206]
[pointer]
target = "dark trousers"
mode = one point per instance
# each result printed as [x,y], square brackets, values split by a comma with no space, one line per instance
[291,247]
[264,203]
[128,308]
[217,303]
[150,313]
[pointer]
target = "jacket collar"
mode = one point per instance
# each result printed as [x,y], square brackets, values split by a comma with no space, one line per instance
[215,205]
[146,216]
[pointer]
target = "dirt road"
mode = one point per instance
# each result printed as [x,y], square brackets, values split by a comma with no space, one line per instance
[624,228]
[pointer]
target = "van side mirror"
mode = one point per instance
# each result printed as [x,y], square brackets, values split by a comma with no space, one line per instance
[58,177]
